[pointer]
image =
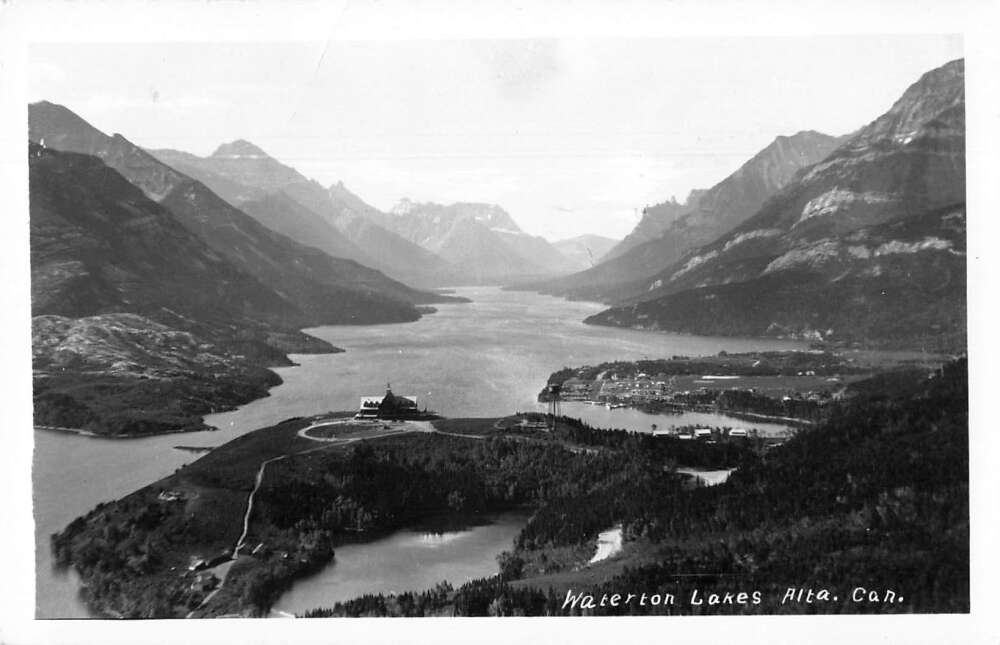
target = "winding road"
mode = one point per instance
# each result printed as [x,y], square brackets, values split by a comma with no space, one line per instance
[394,429]
[304,433]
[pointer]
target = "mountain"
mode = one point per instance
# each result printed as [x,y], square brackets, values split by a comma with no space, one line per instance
[481,241]
[865,247]
[156,302]
[138,325]
[219,183]
[655,220]
[98,244]
[705,216]
[585,250]
[279,212]
[324,289]
[333,220]
[361,223]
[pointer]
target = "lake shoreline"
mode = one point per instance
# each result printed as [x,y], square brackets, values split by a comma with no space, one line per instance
[388,539]
[440,357]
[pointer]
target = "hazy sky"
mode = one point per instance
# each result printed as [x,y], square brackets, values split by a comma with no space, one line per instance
[570,136]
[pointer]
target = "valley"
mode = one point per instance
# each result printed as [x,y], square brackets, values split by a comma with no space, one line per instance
[441,358]
[756,392]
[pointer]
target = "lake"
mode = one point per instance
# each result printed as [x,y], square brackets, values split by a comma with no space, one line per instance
[409,560]
[489,357]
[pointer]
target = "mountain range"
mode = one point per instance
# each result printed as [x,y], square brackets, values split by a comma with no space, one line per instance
[138,324]
[423,244]
[122,243]
[163,284]
[481,241]
[865,247]
[331,219]
[167,271]
[669,230]
[325,289]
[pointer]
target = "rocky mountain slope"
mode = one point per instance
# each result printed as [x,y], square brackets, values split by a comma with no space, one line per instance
[667,231]
[138,324]
[155,301]
[481,241]
[334,220]
[359,221]
[867,246]
[122,374]
[279,212]
[99,244]
[655,220]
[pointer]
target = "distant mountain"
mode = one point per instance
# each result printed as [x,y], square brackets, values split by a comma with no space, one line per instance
[279,212]
[705,215]
[334,220]
[220,172]
[481,241]
[585,250]
[361,223]
[866,246]
[324,289]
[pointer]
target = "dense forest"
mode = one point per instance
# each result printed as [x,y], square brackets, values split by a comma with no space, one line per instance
[382,485]
[133,553]
[875,498]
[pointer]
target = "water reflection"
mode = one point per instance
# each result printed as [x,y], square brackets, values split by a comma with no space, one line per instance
[408,560]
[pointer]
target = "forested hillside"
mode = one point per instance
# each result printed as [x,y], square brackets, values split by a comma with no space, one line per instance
[875,498]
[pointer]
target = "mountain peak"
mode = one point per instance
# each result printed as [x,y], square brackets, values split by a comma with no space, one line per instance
[239,149]
[802,135]
[491,216]
[932,94]
[802,138]
[45,116]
